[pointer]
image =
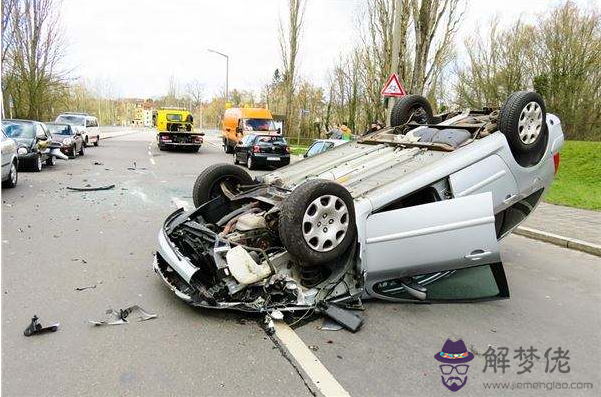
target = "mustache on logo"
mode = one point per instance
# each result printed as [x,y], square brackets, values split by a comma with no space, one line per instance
[454,379]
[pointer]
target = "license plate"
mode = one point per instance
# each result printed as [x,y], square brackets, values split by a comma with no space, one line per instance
[273,159]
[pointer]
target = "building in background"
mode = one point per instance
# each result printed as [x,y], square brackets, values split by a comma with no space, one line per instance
[143,115]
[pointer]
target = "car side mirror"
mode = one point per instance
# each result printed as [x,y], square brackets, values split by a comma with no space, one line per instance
[77,133]
[305,155]
[239,130]
[240,143]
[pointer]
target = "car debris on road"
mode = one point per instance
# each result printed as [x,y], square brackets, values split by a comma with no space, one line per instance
[90,188]
[122,316]
[36,328]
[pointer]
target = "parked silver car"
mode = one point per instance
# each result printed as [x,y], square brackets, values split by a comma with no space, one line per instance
[413,212]
[10,161]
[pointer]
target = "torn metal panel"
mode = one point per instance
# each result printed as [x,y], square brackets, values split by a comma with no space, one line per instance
[124,316]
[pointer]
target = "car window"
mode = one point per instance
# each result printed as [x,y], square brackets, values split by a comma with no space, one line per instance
[315,149]
[18,130]
[248,140]
[173,117]
[258,125]
[71,120]
[327,146]
[59,129]
[269,140]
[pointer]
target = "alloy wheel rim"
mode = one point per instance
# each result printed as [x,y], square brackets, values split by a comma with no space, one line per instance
[325,223]
[39,162]
[530,123]
[13,174]
[249,162]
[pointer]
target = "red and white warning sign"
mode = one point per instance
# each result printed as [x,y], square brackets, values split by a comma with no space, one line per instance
[393,87]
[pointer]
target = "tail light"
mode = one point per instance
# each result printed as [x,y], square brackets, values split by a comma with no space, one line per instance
[556,159]
[287,149]
[256,149]
[198,138]
[165,138]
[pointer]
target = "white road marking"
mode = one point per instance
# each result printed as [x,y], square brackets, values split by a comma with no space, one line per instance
[317,372]
[179,203]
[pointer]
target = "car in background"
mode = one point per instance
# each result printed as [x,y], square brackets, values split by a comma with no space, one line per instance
[71,140]
[84,123]
[175,129]
[10,161]
[268,150]
[32,138]
[323,145]
[239,122]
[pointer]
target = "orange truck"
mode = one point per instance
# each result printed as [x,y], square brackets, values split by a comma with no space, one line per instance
[237,122]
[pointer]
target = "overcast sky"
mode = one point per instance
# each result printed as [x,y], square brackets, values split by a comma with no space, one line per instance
[136,45]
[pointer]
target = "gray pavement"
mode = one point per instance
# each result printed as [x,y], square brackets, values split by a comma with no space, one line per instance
[570,222]
[54,240]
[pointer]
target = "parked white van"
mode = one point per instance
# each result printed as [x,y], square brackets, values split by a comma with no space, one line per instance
[84,123]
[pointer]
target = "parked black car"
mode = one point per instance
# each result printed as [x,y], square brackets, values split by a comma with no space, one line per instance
[32,138]
[71,140]
[262,150]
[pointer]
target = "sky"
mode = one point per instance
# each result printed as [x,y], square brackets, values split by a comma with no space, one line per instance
[133,47]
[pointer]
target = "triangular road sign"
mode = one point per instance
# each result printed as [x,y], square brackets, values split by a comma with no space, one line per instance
[393,87]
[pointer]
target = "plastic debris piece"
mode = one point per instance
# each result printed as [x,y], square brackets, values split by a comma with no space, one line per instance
[329,325]
[36,328]
[86,287]
[90,188]
[122,316]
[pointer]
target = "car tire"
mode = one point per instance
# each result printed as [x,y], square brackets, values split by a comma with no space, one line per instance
[82,150]
[411,108]
[36,164]
[86,142]
[51,161]
[307,238]
[13,176]
[236,159]
[207,185]
[249,162]
[523,121]
[227,148]
[97,141]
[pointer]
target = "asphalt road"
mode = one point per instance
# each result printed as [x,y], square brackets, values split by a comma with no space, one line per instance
[54,240]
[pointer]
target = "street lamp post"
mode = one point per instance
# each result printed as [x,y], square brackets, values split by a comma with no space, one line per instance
[227,72]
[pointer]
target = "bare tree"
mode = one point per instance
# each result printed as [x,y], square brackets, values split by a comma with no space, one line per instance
[289,44]
[34,80]
[195,90]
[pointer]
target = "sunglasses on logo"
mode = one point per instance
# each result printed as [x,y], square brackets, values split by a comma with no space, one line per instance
[448,369]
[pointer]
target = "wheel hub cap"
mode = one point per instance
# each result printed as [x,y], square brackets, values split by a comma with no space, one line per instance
[530,123]
[325,223]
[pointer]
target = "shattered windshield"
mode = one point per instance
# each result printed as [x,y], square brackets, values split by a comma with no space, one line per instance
[56,129]
[15,129]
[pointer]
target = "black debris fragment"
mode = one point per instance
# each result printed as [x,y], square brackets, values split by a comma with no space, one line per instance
[85,288]
[98,163]
[314,347]
[36,328]
[90,188]
[115,317]
[346,318]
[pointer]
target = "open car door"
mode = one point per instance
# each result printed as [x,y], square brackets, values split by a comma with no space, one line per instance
[446,251]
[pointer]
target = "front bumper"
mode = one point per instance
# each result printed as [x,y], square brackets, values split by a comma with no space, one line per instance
[28,157]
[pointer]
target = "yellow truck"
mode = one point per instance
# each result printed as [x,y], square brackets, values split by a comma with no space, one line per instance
[237,122]
[175,129]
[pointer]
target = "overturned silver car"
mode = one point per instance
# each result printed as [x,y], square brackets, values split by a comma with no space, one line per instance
[413,212]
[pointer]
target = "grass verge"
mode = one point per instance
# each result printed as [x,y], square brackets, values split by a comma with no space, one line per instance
[578,181]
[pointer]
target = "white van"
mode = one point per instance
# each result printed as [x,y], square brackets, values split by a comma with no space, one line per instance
[84,123]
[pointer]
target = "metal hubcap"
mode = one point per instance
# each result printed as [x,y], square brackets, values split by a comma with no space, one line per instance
[325,223]
[530,123]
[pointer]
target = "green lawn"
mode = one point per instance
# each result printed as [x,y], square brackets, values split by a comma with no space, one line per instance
[578,182]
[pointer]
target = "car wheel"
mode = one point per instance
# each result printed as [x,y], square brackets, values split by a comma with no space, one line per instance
[85,142]
[51,161]
[249,162]
[81,150]
[208,183]
[97,141]
[523,121]
[13,176]
[36,164]
[414,108]
[317,221]
[236,159]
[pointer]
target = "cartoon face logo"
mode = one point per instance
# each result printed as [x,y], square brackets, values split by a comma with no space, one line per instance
[453,357]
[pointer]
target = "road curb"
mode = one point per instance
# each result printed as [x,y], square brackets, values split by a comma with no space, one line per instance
[561,241]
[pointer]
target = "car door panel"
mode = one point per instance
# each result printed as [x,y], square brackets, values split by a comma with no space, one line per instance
[488,175]
[433,237]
